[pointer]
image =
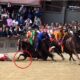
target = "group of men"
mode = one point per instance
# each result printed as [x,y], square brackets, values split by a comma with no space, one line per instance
[55,35]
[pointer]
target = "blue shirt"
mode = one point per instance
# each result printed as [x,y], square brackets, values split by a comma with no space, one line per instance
[40,36]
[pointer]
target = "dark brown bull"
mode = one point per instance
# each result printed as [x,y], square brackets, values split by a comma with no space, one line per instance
[72,44]
[41,53]
[25,45]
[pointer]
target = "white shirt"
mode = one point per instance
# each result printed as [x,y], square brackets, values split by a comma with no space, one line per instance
[15,23]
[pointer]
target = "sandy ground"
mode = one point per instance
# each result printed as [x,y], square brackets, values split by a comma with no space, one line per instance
[41,70]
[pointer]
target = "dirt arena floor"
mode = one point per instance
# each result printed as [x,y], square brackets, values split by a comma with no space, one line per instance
[41,70]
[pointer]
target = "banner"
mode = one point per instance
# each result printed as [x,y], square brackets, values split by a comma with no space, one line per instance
[29,2]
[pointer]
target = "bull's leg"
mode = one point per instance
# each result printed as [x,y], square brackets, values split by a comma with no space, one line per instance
[71,57]
[44,56]
[19,56]
[76,54]
[70,54]
[51,56]
[23,56]
[40,54]
[60,54]
[19,46]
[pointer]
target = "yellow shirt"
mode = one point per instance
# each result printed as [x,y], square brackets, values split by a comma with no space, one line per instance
[57,34]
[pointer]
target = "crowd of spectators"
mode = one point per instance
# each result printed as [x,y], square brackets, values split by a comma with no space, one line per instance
[16,22]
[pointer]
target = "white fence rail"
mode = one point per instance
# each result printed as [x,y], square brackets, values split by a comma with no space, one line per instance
[8,45]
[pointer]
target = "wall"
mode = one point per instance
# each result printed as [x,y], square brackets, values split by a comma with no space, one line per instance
[49,17]
[8,45]
[72,16]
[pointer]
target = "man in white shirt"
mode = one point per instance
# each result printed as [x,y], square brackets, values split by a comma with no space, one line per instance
[28,22]
[4,57]
[15,23]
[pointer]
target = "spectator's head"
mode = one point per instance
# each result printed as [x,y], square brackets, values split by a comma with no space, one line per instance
[21,17]
[41,28]
[0,29]
[56,24]
[28,19]
[8,17]
[52,24]
[4,10]
[7,28]
[35,17]
[37,9]
[46,28]
[22,5]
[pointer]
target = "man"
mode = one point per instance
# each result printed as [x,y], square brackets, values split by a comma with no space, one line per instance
[37,22]
[42,35]
[9,23]
[21,22]
[28,23]
[39,39]
[4,57]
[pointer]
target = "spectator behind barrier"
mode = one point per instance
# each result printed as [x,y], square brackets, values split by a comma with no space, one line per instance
[23,18]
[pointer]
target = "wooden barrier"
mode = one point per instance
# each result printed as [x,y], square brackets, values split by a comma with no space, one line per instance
[8,45]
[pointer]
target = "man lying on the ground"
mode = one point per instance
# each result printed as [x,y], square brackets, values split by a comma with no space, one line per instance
[4,57]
